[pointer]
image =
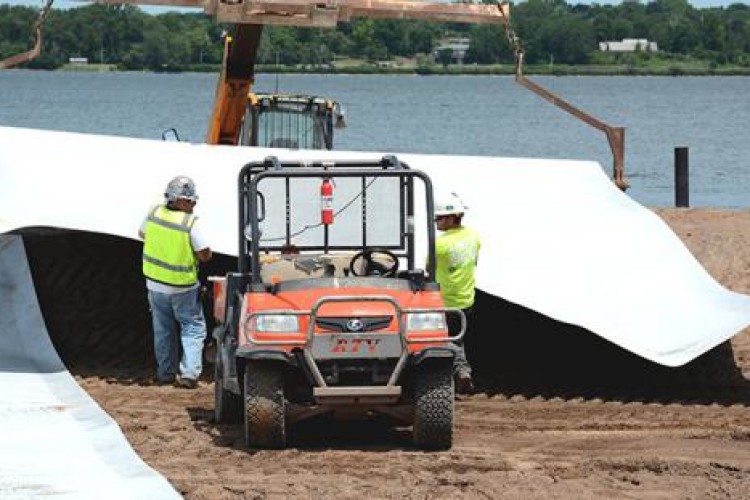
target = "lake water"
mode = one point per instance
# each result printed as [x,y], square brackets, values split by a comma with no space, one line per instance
[487,116]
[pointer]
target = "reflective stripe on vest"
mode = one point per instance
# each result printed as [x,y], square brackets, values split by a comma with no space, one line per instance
[167,252]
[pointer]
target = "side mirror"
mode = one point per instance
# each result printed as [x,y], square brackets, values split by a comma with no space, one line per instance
[170,135]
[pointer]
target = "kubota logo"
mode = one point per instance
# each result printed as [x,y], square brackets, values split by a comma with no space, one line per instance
[354,325]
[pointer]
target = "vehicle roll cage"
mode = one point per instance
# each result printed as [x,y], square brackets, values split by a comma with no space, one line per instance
[252,206]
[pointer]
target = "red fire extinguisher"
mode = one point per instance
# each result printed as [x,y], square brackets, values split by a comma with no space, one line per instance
[326,202]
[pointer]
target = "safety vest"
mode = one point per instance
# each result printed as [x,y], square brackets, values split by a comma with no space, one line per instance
[456,253]
[167,252]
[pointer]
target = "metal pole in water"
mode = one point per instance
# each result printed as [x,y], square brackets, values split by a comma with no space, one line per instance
[681,178]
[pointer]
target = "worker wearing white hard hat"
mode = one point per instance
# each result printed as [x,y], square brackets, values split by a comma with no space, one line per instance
[173,246]
[456,256]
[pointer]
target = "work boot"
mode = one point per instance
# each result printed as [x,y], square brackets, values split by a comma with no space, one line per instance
[165,381]
[464,384]
[187,383]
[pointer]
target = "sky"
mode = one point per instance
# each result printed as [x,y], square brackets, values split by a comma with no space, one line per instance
[66,3]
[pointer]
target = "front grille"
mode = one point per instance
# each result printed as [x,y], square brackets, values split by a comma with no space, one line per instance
[353,324]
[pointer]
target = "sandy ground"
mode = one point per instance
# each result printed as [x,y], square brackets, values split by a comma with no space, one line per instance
[511,441]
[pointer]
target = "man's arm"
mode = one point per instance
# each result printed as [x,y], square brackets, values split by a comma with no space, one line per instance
[204,255]
[198,240]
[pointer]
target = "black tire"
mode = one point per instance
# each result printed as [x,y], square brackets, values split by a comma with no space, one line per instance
[265,413]
[227,405]
[433,406]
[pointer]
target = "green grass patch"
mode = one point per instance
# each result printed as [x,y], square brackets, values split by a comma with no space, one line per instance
[89,67]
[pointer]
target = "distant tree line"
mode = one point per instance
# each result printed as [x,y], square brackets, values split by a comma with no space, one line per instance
[551,31]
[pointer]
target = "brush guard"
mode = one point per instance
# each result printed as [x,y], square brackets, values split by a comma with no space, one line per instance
[345,395]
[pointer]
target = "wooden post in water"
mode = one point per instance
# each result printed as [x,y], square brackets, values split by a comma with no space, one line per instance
[681,177]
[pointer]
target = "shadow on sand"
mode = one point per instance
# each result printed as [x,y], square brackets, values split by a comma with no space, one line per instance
[94,304]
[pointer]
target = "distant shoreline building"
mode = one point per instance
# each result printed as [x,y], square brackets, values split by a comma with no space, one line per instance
[629,45]
[78,60]
[457,46]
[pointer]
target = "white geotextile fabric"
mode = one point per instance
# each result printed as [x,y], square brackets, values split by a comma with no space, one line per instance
[557,236]
[55,441]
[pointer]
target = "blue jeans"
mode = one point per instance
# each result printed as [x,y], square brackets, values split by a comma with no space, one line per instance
[172,314]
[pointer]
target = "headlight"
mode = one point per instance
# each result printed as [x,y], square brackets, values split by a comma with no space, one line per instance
[276,323]
[425,321]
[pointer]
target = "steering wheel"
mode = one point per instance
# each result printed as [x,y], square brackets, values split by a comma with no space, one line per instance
[373,267]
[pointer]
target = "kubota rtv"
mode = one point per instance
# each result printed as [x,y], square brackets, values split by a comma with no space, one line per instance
[333,311]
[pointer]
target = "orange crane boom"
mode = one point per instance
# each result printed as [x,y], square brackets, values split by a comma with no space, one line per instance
[236,78]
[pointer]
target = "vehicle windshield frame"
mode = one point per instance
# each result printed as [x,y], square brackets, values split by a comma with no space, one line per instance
[252,207]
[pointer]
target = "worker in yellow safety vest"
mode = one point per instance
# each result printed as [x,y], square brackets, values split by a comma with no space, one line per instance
[456,257]
[173,246]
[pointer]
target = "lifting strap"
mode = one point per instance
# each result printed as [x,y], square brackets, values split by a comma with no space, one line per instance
[615,135]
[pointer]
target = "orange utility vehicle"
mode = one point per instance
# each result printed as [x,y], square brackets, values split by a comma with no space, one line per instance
[320,317]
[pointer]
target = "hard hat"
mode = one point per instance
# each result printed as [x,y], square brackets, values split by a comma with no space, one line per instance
[449,204]
[181,187]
